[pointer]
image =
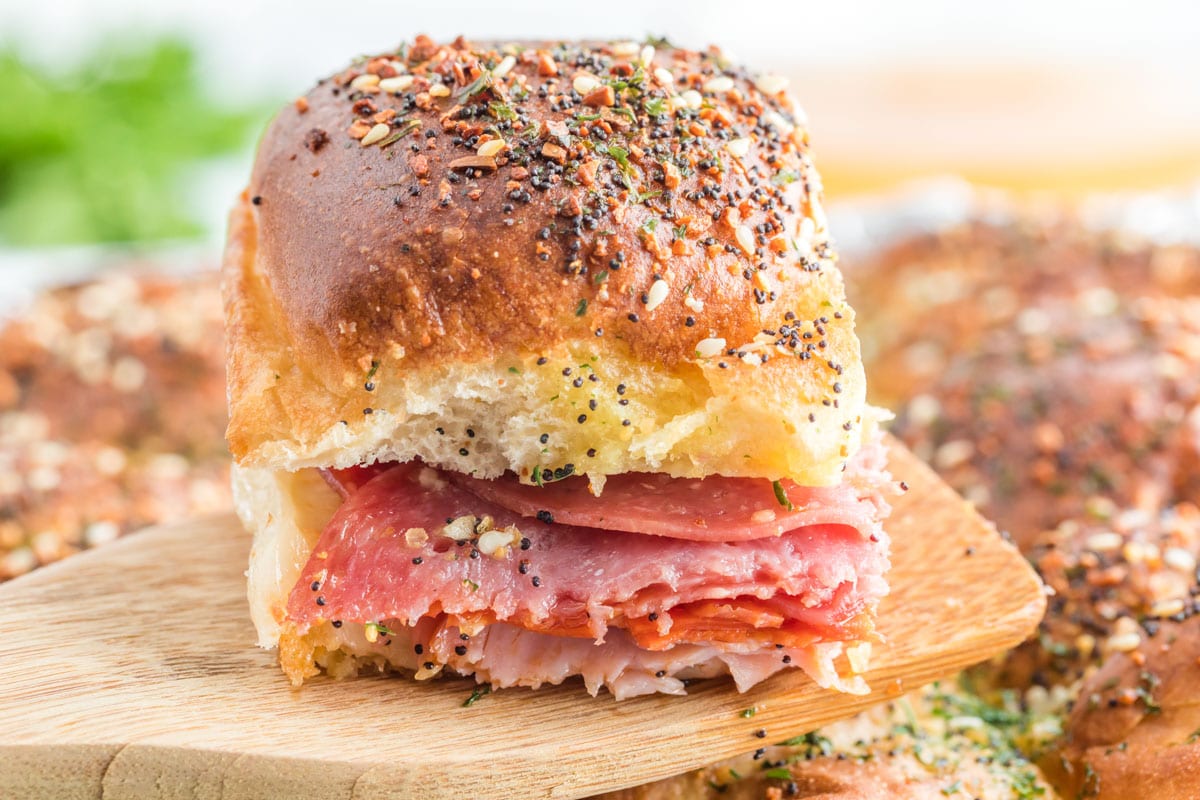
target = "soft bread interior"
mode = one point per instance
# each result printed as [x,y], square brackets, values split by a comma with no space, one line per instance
[589,404]
[511,414]
[286,511]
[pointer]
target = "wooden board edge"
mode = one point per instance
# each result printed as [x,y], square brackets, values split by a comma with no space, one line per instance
[64,772]
[140,772]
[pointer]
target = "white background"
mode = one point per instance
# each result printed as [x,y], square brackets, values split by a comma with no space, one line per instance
[256,45]
[884,83]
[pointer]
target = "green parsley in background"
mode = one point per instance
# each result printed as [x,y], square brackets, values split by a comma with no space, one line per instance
[97,150]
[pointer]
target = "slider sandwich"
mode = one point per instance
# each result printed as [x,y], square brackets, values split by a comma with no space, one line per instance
[540,365]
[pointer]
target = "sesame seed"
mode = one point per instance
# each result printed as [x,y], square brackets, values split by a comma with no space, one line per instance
[396,84]
[491,148]
[1166,608]
[738,147]
[1124,642]
[504,67]
[460,529]
[771,84]
[707,348]
[776,120]
[745,239]
[1104,542]
[495,542]
[721,83]
[657,294]
[585,83]
[376,134]
[1179,559]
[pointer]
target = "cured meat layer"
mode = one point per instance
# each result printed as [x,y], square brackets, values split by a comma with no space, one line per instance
[708,510]
[412,546]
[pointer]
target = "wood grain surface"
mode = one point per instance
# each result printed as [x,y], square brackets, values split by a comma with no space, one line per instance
[129,672]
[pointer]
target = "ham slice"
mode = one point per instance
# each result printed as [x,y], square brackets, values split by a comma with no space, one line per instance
[413,547]
[714,509]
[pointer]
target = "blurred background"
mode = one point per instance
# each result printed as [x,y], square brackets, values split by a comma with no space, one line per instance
[128,122]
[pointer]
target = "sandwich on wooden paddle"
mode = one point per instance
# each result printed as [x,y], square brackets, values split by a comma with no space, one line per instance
[540,365]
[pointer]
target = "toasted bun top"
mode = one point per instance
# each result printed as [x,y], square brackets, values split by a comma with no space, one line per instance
[458,204]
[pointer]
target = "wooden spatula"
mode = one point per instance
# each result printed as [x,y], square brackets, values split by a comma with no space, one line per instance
[129,672]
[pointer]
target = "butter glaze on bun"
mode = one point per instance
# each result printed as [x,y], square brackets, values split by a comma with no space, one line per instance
[547,258]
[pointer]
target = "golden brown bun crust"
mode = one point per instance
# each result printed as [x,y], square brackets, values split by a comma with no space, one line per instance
[452,273]
[674,174]
[1135,729]
[895,776]
[899,750]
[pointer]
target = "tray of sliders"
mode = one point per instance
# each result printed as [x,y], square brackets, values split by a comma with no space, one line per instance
[175,699]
